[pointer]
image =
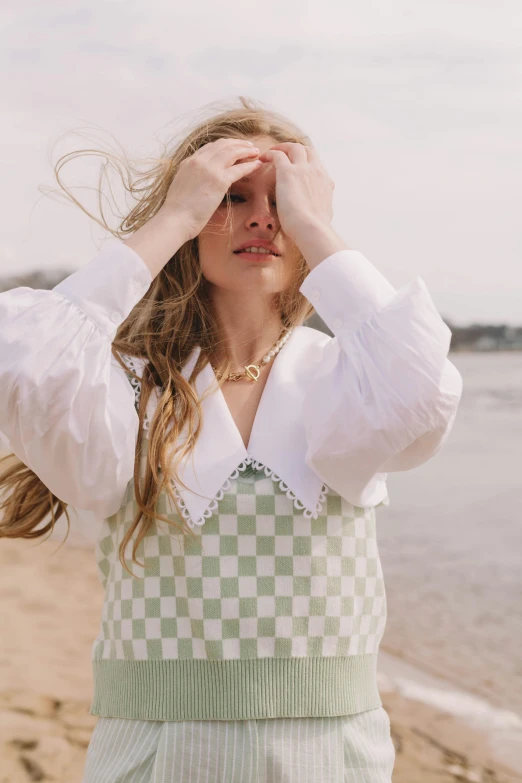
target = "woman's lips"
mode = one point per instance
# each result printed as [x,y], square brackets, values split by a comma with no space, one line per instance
[257,256]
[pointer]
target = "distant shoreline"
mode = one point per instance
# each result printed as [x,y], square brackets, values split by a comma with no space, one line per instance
[467,349]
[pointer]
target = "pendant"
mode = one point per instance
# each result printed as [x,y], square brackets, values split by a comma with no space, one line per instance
[252,370]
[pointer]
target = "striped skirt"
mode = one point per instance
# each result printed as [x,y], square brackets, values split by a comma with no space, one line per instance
[348,749]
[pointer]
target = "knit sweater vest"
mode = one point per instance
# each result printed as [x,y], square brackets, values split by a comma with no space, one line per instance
[267,613]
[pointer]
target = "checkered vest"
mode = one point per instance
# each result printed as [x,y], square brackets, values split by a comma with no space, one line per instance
[266,613]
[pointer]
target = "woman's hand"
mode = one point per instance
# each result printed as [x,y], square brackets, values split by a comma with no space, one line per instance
[202,180]
[304,191]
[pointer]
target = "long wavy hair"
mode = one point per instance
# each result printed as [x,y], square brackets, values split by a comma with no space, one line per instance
[164,327]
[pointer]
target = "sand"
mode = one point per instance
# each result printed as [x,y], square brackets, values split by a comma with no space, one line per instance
[50,604]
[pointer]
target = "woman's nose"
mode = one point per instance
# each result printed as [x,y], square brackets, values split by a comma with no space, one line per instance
[267,222]
[262,215]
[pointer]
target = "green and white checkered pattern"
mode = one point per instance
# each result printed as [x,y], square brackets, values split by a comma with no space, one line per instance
[259,580]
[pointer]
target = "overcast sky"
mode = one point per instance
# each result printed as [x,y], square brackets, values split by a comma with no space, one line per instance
[415,108]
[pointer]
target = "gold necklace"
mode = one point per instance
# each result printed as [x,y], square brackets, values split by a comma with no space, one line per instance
[252,371]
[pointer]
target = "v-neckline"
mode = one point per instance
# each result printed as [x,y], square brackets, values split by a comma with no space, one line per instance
[278,439]
[264,396]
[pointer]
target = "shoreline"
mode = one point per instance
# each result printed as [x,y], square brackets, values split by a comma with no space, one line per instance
[460,723]
[440,734]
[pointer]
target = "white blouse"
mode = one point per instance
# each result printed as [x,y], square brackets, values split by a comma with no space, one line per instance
[343,411]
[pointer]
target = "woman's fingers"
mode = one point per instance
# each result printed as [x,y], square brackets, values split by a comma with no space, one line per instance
[303,187]
[277,157]
[202,179]
[239,170]
[229,150]
[296,153]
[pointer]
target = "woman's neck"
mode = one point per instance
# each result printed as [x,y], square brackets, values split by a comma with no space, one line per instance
[249,332]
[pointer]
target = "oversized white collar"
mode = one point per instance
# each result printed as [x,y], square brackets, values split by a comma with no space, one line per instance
[277,441]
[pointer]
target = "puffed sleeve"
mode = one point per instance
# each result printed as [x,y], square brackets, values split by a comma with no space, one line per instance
[383,395]
[67,408]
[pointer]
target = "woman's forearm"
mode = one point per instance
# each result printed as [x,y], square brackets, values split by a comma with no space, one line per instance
[158,240]
[318,241]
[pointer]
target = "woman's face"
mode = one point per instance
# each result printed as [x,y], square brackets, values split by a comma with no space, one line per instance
[253,216]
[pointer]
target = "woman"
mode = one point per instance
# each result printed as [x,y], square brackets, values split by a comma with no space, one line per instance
[170,387]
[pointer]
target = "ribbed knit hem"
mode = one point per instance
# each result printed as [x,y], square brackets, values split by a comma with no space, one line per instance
[235,689]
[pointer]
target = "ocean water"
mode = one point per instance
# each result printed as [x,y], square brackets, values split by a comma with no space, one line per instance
[451,541]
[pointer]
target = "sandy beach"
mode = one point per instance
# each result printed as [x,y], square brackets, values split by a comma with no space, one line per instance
[50,602]
[451,561]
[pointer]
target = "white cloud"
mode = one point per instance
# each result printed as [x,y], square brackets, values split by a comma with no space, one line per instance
[415,109]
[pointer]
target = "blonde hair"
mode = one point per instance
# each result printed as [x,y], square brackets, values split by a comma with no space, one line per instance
[163,328]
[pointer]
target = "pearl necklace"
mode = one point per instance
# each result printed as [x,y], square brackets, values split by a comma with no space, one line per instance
[252,371]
